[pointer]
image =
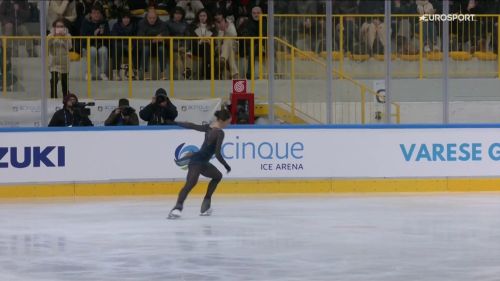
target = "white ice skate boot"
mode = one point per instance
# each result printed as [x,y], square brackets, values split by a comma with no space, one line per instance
[206,213]
[174,214]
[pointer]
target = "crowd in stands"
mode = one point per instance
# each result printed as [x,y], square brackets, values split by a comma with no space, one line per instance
[231,18]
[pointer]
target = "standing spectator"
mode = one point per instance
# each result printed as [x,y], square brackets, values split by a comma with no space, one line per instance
[305,29]
[125,27]
[177,27]
[161,111]
[124,115]
[62,9]
[250,28]
[59,57]
[70,115]
[346,7]
[151,25]
[13,15]
[226,50]
[201,27]
[96,25]
[192,7]
[429,33]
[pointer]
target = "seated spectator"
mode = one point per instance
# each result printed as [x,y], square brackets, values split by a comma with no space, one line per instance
[151,25]
[226,51]
[305,29]
[70,115]
[228,8]
[177,27]
[161,111]
[13,16]
[201,27]
[96,25]
[124,115]
[192,7]
[62,9]
[372,32]
[59,56]
[250,28]
[124,28]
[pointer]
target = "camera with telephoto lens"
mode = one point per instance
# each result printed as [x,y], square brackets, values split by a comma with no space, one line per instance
[82,107]
[127,111]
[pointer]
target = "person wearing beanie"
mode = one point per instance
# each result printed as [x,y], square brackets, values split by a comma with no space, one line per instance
[161,111]
[123,115]
[70,115]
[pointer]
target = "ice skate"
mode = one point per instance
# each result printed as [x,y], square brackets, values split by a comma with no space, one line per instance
[205,208]
[174,214]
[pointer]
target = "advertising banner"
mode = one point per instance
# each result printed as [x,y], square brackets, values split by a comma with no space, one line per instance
[295,153]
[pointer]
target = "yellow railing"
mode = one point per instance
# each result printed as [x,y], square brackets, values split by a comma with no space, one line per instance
[89,59]
[358,44]
[357,108]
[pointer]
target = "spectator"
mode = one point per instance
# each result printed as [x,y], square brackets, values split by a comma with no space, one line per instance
[153,26]
[62,9]
[226,50]
[177,27]
[430,36]
[13,15]
[124,115]
[201,27]
[70,115]
[59,57]
[96,25]
[228,8]
[346,7]
[405,42]
[192,7]
[160,111]
[372,32]
[250,28]
[125,27]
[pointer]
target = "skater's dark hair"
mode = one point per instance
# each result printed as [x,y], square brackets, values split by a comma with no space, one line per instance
[223,114]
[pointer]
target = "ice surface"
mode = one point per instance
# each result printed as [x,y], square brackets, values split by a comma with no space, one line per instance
[348,237]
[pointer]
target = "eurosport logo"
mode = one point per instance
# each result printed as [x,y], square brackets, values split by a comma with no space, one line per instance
[447,17]
[181,152]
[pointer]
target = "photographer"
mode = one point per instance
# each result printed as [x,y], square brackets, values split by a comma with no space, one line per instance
[124,115]
[160,111]
[73,114]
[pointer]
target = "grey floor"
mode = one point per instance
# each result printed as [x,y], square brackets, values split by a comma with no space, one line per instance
[342,237]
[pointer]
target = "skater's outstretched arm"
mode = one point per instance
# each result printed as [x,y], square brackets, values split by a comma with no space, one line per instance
[219,134]
[188,125]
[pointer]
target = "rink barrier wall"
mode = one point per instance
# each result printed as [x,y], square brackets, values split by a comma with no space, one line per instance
[333,186]
[297,182]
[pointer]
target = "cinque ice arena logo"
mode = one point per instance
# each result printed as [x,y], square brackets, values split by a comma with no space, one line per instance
[182,151]
[447,17]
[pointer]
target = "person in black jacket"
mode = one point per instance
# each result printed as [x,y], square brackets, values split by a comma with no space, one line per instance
[123,115]
[95,24]
[161,111]
[125,27]
[70,115]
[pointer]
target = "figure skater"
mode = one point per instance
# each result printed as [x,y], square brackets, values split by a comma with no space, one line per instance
[198,162]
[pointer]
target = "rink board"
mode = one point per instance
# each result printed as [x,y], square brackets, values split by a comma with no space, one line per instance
[281,159]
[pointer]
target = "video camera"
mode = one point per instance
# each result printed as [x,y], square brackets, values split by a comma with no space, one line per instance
[82,107]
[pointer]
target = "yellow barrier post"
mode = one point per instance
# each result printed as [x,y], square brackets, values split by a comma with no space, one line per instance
[363,103]
[171,66]
[292,86]
[89,74]
[398,114]
[4,66]
[498,46]
[252,66]
[261,76]
[341,48]
[421,50]
[130,67]
[212,67]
